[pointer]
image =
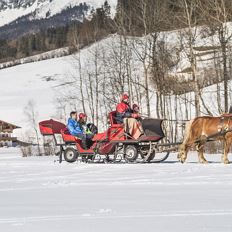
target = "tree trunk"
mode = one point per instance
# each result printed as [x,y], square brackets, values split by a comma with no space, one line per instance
[147,91]
[225,75]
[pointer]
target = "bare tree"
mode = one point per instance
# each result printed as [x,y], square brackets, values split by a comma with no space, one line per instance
[32,117]
[217,14]
[188,35]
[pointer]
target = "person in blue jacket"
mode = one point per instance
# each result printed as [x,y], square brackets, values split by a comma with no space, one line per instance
[76,129]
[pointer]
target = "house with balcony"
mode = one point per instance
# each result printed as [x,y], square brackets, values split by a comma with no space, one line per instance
[6,134]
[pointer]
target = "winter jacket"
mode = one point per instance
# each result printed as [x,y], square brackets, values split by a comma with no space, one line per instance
[74,127]
[123,110]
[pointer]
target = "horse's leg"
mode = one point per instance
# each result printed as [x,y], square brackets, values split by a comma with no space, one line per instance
[182,155]
[181,151]
[227,145]
[201,154]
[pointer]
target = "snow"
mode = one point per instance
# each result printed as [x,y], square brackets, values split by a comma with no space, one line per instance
[56,6]
[38,194]
[9,15]
[53,7]
[29,82]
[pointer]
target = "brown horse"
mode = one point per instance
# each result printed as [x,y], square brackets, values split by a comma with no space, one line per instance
[200,129]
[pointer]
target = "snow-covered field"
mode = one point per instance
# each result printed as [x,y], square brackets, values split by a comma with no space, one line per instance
[38,194]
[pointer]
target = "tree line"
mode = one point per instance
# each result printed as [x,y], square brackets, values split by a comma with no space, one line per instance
[58,37]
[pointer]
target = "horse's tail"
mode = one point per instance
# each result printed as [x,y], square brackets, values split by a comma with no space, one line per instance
[187,137]
[188,130]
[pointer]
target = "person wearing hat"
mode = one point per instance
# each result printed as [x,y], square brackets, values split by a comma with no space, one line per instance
[129,117]
[82,121]
[123,110]
[73,125]
[76,128]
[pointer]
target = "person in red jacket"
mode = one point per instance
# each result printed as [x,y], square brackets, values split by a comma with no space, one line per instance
[126,115]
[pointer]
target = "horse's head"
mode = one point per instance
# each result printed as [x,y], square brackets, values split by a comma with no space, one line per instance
[182,154]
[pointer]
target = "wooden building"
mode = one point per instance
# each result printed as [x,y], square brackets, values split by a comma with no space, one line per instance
[6,131]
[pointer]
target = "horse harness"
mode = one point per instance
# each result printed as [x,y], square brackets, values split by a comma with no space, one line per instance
[223,129]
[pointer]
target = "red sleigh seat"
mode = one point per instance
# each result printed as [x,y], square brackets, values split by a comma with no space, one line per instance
[67,137]
[113,123]
[116,130]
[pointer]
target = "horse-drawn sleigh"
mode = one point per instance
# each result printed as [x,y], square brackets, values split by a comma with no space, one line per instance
[113,145]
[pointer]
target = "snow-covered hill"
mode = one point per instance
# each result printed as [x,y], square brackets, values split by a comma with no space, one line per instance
[11,10]
[31,81]
[45,80]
